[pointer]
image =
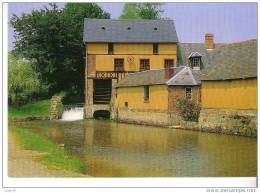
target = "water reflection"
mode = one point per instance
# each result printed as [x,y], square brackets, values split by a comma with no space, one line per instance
[116,149]
[74,139]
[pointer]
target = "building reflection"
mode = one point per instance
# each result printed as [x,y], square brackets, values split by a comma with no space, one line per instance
[114,149]
[74,139]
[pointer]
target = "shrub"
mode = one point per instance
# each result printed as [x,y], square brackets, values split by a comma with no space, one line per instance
[188,109]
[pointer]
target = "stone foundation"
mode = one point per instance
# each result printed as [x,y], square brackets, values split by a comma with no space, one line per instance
[229,121]
[147,117]
[90,109]
[232,122]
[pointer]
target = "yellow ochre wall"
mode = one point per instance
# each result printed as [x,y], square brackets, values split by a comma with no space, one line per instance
[229,94]
[97,48]
[105,62]
[158,97]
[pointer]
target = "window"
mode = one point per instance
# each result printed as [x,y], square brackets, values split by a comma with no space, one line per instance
[168,63]
[119,64]
[155,48]
[188,92]
[110,48]
[144,64]
[146,93]
[126,104]
[195,62]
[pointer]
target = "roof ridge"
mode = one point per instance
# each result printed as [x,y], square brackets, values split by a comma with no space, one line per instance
[192,76]
[221,43]
[129,19]
[174,77]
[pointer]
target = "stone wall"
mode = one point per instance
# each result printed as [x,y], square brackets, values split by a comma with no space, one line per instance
[229,121]
[54,111]
[90,109]
[147,117]
[232,122]
[153,117]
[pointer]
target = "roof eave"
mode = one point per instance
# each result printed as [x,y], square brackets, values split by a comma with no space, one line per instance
[126,86]
[218,79]
[102,41]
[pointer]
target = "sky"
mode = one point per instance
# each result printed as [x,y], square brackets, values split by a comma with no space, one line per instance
[229,22]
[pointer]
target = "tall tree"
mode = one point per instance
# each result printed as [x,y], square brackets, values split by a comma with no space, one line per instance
[130,11]
[142,11]
[52,39]
[149,10]
[23,81]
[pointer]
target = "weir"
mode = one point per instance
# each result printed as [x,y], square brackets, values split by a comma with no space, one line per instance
[73,112]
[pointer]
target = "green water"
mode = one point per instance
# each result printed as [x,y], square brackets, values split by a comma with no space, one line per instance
[116,149]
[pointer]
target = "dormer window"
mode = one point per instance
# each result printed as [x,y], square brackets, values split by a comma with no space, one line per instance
[195,60]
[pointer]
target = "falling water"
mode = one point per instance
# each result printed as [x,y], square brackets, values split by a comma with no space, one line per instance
[72,114]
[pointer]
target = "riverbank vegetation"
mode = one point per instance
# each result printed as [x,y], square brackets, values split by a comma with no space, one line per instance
[54,157]
[39,108]
[35,109]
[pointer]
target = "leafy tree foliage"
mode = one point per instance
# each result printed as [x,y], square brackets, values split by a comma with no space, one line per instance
[130,11]
[52,39]
[23,81]
[142,11]
[149,10]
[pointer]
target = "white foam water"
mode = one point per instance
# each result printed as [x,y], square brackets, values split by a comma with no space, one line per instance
[73,114]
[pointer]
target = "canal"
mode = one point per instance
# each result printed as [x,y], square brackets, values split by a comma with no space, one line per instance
[115,149]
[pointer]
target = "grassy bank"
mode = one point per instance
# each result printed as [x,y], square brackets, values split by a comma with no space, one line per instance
[56,157]
[39,108]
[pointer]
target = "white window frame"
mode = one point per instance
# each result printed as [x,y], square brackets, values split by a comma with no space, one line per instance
[195,61]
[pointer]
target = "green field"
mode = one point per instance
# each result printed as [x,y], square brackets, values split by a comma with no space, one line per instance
[39,108]
[56,157]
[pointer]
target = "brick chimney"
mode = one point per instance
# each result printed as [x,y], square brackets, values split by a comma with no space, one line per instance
[209,41]
[168,73]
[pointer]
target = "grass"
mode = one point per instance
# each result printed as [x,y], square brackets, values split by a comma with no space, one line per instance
[39,108]
[56,157]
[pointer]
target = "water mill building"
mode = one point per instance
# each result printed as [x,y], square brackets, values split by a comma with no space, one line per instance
[115,48]
[137,69]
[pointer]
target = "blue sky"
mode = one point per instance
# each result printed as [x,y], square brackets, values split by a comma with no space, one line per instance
[230,22]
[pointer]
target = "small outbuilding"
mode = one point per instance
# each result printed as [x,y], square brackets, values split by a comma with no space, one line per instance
[150,97]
